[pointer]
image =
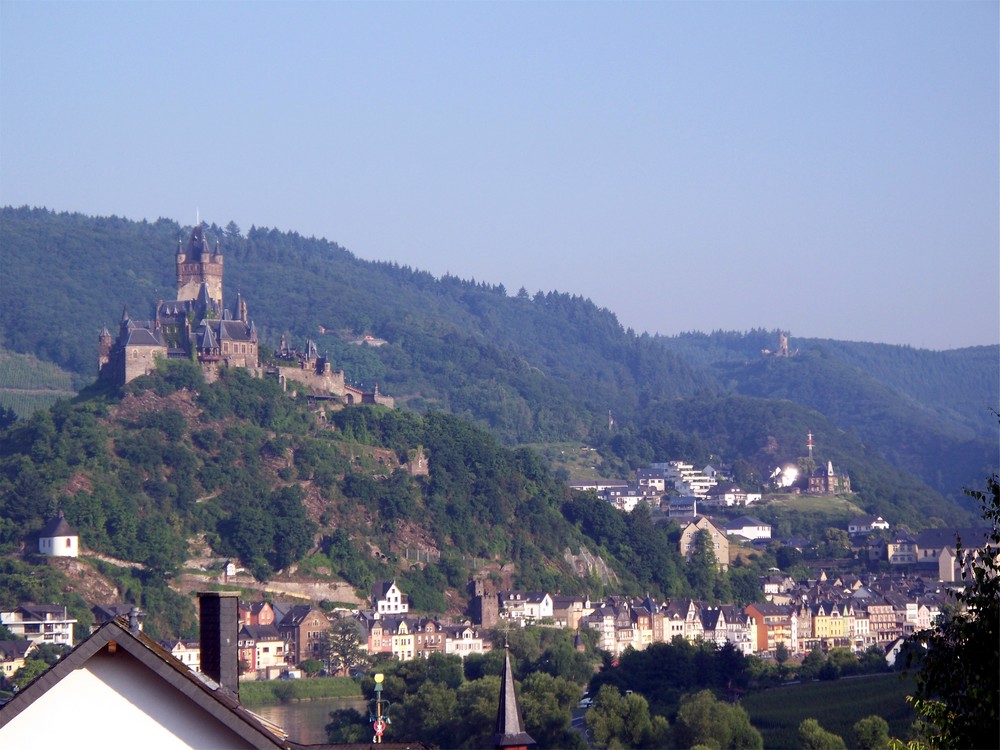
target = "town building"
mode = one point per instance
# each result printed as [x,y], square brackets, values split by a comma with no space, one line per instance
[720,544]
[40,623]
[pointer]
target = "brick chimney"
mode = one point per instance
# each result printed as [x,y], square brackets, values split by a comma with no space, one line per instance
[219,632]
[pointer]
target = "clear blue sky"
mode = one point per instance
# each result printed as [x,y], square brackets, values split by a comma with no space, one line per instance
[828,168]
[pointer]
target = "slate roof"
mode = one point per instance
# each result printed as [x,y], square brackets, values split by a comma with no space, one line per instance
[57,526]
[509,729]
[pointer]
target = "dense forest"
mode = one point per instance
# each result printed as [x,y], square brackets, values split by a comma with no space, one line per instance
[908,425]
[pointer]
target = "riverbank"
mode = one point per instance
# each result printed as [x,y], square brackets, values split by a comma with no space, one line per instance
[273,692]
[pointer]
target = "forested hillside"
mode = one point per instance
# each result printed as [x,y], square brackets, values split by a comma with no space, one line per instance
[531,367]
[929,413]
[264,479]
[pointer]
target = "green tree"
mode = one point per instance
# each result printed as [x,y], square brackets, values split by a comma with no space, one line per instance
[704,720]
[871,733]
[347,726]
[959,678]
[813,737]
[31,669]
[342,645]
[617,720]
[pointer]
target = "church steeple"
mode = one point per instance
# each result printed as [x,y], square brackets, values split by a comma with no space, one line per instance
[510,728]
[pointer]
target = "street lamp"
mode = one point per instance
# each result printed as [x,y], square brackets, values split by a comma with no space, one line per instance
[380,716]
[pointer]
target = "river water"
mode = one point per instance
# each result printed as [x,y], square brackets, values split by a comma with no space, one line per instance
[305,721]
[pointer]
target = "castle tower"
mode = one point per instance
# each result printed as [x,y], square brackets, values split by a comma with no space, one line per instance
[104,344]
[197,265]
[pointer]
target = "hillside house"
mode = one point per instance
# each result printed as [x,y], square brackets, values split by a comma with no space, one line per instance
[720,543]
[730,495]
[12,656]
[863,525]
[829,482]
[749,528]
[40,623]
[388,599]
[685,506]
[57,538]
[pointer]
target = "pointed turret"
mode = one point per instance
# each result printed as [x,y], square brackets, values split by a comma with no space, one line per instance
[510,728]
[208,344]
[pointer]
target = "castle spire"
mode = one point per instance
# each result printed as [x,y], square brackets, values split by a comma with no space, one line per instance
[510,729]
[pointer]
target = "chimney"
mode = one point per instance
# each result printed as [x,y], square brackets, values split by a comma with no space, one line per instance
[219,632]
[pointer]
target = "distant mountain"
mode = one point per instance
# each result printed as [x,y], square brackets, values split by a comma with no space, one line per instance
[531,368]
[928,413]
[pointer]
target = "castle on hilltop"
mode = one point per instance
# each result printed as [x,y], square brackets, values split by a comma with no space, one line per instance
[193,326]
[196,326]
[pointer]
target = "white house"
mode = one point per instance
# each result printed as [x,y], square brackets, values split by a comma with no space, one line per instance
[866,524]
[729,495]
[57,538]
[388,599]
[749,528]
[527,607]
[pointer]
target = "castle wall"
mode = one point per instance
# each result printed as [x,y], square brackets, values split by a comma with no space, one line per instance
[141,360]
[327,382]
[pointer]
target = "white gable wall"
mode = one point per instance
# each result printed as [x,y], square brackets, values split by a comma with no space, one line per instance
[115,696]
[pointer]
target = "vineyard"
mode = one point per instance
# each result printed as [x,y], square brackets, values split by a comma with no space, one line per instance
[28,384]
[837,705]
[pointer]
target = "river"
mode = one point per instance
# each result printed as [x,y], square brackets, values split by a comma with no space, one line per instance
[305,721]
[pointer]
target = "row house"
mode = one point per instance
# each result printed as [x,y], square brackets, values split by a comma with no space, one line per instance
[833,624]
[681,619]
[728,624]
[407,637]
[526,607]
[462,640]
[255,613]
[261,648]
[567,611]
[304,629]
[186,652]
[40,623]
[774,624]
[884,625]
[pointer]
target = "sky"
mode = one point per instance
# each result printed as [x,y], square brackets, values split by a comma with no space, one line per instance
[827,168]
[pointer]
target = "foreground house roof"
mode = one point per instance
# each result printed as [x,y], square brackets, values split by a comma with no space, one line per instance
[122,683]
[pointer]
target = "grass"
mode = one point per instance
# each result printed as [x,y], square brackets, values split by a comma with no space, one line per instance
[283,691]
[837,705]
[829,505]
